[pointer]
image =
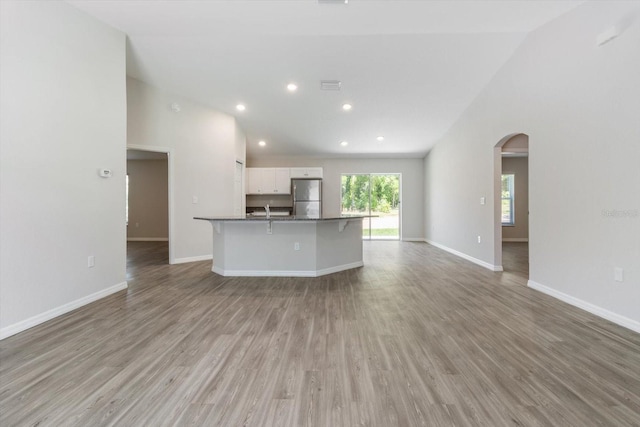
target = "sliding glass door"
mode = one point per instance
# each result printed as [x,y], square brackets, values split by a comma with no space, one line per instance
[377,195]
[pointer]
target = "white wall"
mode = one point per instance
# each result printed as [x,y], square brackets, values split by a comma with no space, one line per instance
[206,144]
[63,106]
[412,171]
[580,105]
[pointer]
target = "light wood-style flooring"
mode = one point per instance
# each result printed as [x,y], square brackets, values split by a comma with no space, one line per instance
[417,337]
[515,259]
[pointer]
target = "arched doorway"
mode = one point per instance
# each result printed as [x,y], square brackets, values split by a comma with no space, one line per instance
[511,204]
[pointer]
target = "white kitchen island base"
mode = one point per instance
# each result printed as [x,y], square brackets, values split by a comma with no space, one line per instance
[286,247]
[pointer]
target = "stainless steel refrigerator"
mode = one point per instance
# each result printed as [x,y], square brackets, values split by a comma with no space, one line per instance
[307,197]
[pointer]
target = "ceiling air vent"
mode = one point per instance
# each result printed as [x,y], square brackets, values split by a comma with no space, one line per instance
[333,1]
[330,84]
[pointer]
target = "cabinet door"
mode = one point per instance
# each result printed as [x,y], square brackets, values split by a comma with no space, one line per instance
[306,172]
[283,181]
[267,180]
[314,172]
[297,172]
[254,180]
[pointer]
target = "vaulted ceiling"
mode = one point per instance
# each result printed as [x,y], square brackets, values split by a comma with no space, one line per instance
[408,68]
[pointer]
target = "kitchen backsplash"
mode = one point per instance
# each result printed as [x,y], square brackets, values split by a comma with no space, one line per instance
[284,201]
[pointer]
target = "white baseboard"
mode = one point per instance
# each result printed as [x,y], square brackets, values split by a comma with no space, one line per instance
[338,268]
[413,239]
[587,306]
[286,273]
[192,259]
[465,256]
[48,315]
[147,239]
[515,239]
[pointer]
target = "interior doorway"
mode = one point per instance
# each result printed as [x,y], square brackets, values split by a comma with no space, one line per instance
[238,185]
[512,204]
[149,212]
[377,195]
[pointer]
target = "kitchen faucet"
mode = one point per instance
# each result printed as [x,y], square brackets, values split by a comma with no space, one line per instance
[266,208]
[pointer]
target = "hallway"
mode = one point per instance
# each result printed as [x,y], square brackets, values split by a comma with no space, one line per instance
[515,259]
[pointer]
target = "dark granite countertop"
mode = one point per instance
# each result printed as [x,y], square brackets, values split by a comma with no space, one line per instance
[282,218]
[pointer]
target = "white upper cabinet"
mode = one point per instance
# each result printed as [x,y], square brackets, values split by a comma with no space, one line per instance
[254,180]
[268,181]
[282,181]
[306,172]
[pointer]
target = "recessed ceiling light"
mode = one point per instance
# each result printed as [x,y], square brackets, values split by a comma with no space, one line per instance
[240,107]
[262,143]
[380,138]
[347,107]
[292,87]
[344,143]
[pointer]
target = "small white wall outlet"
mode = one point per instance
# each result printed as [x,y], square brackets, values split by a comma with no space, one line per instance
[91,261]
[483,200]
[296,246]
[618,274]
[479,239]
[194,200]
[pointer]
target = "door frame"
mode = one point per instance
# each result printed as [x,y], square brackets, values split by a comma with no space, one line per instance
[170,196]
[243,196]
[497,199]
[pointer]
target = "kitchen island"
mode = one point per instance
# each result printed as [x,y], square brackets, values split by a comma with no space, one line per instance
[285,246]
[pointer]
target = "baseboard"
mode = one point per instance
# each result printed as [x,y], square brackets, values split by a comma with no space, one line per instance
[413,239]
[286,273]
[465,256]
[63,309]
[587,306]
[338,268]
[515,239]
[192,259]
[147,239]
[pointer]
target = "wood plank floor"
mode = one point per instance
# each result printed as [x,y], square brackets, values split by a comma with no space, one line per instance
[417,337]
[515,259]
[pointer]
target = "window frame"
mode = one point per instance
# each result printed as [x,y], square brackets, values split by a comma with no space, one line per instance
[511,199]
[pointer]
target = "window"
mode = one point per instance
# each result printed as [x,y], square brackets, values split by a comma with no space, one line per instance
[508,215]
[377,195]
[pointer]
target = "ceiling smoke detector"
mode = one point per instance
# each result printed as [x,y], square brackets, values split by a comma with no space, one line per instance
[330,84]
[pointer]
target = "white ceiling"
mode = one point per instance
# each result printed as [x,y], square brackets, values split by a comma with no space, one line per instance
[410,68]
